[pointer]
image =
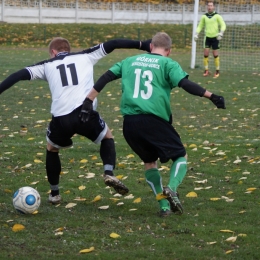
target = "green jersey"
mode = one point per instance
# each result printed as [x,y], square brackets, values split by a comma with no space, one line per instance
[147,81]
[212,23]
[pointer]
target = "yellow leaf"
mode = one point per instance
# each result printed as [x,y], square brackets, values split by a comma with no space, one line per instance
[72,160]
[132,209]
[141,179]
[33,183]
[240,182]
[90,175]
[203,181]
[242,235]
[35,212]
[119,177]
[130,156]
[211,243]
[192,194]
[192,145]
[70,205]
[83,161]
[29,139]
[229,251]
[226,231]
[67,191]
[94,157]
[251,189]
[114,235]
[88,250]
[59,229]
[241,212]
[79,199]
[120,203]
[82,187]
[230,192]
[214,199]
[231,239]
[97,198]
[160,196]
[18,227]
[37,161]
[138,200]
[8,191]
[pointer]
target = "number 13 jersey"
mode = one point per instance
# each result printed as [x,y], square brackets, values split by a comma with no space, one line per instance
[147,81]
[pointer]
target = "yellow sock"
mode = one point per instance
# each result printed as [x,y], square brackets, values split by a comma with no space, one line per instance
[206,63]
[216,59]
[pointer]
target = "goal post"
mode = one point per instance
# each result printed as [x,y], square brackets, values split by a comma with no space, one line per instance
[240,46]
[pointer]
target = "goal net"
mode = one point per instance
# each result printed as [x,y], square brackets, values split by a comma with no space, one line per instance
[240,46]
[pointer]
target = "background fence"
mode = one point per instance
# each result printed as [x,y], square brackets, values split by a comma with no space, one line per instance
[46,11]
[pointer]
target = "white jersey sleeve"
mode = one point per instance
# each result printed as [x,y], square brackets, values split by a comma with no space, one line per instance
[70,77]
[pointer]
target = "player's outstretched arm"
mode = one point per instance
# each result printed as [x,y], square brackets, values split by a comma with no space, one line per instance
[197,90]
[22,74]
[87,106]
[111,45]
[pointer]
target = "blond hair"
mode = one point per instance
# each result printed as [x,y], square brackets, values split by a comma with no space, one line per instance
[162,40]
[59,44]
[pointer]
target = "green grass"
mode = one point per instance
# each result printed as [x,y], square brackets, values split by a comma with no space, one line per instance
[232,133]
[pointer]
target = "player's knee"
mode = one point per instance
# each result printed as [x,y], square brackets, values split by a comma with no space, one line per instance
[215,56]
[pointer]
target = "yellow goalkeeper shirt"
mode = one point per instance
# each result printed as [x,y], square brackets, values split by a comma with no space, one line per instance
[212,23]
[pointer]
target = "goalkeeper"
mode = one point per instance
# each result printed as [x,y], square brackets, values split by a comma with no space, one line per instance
[212,21]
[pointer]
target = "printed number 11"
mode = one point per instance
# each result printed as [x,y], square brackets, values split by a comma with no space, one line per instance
[63,75]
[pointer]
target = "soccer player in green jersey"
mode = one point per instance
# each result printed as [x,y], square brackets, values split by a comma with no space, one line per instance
[147,80]
[214,29]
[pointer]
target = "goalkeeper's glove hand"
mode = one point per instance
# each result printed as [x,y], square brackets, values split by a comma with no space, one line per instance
[196,37]
[145,45]
[220,36]
[86,110]
[218,101]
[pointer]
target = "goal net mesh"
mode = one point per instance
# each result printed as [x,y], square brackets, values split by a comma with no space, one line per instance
[240,46]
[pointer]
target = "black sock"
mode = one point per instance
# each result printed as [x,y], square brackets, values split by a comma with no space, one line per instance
[53,169]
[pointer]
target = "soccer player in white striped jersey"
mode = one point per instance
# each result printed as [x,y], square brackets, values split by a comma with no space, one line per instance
[70,78]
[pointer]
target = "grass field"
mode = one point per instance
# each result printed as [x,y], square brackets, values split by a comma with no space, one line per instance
[223,170]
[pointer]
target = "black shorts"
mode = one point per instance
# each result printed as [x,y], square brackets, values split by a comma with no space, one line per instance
[62,128]
[211,43]
[151,137]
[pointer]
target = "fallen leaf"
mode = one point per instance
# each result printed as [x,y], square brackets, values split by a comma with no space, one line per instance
[114,235]
[132,209]
[70,205]
[138,200]
[130,196]
[83,161]
[82,187]
[192,194]
[37,161]
[18,227]
[103,207]
[211,243]
[226,231]
[58,233]
[120,203]
[214,199]
[229,251]
[97,198]
[242,235]
[231,239]
[88,250]
[251,189]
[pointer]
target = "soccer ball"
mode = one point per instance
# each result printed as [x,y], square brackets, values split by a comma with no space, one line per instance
[26,200]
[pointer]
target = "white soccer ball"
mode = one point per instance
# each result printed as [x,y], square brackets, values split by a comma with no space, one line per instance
[26,200]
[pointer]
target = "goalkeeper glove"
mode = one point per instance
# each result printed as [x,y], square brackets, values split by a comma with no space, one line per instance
[219,36]
[218,101]
[196,37]
[145,45]
[86,110]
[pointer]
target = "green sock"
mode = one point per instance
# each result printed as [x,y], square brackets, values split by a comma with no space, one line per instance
[153,178]
[177,173]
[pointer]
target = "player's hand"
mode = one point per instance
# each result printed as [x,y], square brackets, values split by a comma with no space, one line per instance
[86,110]
[145,45]
[196,37]
[218,101]
[220,36]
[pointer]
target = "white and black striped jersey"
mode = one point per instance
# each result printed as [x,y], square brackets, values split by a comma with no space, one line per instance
[70,77]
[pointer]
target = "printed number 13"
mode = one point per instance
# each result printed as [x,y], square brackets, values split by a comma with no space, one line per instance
[146,74]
